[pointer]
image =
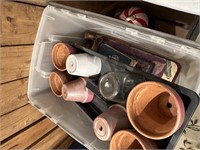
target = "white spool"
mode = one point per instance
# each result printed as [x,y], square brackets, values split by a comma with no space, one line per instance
[83,65]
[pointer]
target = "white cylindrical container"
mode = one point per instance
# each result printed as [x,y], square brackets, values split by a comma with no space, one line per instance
[83,65]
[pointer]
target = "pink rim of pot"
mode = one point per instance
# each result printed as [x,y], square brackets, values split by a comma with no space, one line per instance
[60,52]
[155,110]
[56,81]
[130,139]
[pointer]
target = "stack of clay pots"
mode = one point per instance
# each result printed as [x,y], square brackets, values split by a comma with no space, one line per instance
[154,111]
[72,68]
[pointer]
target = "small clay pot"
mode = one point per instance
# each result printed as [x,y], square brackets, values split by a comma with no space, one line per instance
[155,110]
[60,52]
[77,91]
[130,139]
[111,121]
[56,81]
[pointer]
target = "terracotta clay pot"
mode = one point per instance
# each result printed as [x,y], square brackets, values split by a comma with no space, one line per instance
[60,52]
[56,81]
[130,139]
[155,110]
[111,121]
[77,91]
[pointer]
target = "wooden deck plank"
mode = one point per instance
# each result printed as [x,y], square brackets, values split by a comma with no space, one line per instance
[15,62]
[66,143]
[19,23]
[17,120]
[52,140]
[13,95]
[35,2]
[30,135]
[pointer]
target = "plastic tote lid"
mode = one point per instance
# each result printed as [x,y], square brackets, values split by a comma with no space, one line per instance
[189,6]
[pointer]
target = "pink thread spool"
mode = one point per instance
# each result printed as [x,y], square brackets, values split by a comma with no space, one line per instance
[77,91]
[135,15]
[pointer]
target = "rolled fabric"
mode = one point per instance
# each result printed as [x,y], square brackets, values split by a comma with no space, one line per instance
[83,65]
